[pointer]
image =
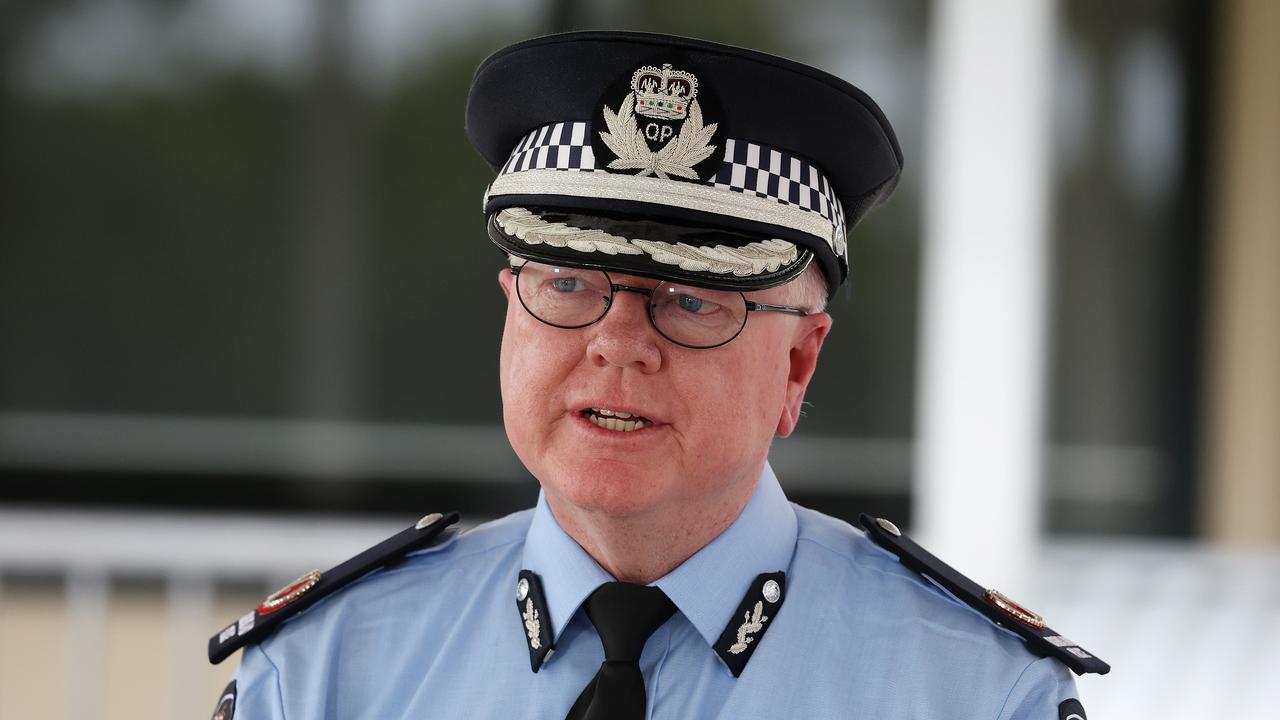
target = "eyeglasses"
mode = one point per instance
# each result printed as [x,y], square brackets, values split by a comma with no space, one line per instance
[689,316]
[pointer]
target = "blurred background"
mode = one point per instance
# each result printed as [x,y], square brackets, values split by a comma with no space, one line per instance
[249,323]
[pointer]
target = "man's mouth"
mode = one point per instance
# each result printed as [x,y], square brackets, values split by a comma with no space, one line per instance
[616,420]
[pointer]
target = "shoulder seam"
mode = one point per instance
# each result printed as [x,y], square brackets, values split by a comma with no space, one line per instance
[275,670]
[1016,683]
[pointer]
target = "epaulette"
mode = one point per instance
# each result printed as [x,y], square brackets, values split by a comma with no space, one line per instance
[1040,639]
[255,625]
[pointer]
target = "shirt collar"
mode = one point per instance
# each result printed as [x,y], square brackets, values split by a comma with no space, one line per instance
[568,574]
[706,588]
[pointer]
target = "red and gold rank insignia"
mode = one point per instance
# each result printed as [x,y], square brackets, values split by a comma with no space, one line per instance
[289,593]
[1014,610]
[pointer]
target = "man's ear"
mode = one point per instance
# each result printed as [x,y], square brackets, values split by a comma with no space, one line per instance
[803,361]
[506,280]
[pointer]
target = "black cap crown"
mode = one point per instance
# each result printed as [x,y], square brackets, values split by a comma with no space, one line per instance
[676,158]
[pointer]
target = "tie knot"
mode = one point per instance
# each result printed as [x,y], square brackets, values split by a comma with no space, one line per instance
[626,615]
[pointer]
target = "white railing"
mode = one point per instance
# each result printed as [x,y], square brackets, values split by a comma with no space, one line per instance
[1191,632]
[153,642]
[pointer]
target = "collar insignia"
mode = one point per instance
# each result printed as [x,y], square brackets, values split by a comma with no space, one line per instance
[532,626]
[532,605]
[752,619]
[752,622]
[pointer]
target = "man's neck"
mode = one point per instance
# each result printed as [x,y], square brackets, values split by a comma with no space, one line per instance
[642,547]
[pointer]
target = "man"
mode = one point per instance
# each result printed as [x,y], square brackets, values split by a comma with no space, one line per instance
[673,216]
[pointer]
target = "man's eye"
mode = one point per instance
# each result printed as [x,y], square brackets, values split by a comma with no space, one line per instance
[695,304]
[567,284]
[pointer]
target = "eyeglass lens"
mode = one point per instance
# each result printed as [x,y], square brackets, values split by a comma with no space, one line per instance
[573,298]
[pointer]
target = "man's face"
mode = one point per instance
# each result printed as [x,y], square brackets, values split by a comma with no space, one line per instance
[713,411]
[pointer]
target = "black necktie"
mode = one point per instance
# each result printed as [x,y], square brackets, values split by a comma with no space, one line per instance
[625,615]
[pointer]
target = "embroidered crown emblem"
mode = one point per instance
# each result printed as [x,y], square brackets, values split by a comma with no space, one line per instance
[664,95]
[663,92]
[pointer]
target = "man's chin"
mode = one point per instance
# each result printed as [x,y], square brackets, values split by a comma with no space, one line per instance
[617,489]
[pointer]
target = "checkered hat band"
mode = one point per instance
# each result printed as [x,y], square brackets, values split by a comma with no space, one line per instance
[747,167]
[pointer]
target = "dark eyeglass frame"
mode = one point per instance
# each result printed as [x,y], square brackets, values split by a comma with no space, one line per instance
[615,288]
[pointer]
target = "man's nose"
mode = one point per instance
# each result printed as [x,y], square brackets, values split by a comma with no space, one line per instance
[624,337]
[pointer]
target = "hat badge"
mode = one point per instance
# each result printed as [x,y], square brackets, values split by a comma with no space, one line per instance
[664,95]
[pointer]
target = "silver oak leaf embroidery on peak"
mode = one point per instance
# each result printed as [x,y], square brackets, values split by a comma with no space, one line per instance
[753,622]
[532,626]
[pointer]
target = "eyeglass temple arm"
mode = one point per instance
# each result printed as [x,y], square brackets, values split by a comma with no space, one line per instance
[776,308]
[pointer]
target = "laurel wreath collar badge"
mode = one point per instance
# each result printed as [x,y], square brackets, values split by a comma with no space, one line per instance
[658,128]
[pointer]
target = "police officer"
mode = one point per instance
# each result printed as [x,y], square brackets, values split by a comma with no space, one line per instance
[673,216]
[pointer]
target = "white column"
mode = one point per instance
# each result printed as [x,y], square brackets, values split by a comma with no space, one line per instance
[978,478]
[1241,470]
[88,594]
[189,612]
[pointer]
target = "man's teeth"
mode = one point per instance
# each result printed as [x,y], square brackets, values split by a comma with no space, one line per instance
[616,419]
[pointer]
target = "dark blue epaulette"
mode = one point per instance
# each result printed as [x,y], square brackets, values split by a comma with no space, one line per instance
[304,592]
[1040,639]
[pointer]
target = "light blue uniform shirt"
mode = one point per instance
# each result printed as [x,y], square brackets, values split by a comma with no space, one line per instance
[857,635]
